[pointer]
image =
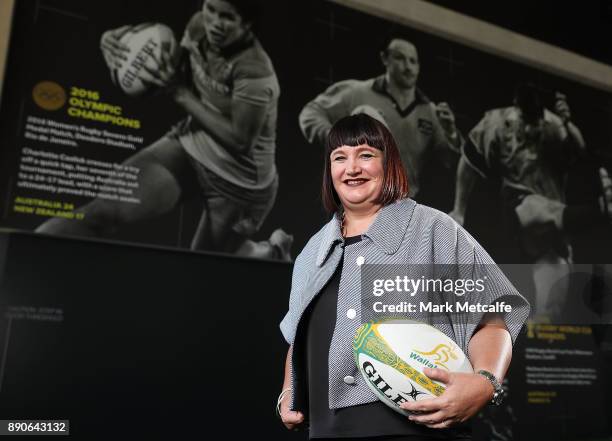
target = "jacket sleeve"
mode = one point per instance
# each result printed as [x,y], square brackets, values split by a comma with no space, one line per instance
[476,264]
[289,323]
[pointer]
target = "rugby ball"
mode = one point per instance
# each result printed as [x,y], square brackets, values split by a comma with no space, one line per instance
[370,111]
[391,357]
[146,42]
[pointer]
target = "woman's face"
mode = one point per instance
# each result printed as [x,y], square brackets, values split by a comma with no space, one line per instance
[357,174]
[222,22]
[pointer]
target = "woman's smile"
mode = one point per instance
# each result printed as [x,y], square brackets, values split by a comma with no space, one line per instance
[355,182]
[357,174]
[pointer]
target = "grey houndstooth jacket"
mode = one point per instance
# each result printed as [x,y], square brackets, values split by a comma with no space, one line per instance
[403,232]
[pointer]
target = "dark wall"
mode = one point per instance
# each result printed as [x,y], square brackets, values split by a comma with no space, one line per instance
[581,27]
[121,339]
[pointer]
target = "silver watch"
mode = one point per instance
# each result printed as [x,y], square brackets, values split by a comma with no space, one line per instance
[499,394]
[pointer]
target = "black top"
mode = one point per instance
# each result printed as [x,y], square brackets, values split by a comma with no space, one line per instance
[366,420]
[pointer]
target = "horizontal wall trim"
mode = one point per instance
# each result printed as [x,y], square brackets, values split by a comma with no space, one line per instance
[489,38]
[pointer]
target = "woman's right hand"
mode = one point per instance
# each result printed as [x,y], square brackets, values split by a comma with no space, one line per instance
[292,419]
[115,52]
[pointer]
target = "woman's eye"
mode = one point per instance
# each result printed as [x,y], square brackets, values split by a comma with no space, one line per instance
[338,158]
[367,155]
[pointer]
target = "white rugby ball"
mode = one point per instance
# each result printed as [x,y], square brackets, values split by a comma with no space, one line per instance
[146,42]
[391,357]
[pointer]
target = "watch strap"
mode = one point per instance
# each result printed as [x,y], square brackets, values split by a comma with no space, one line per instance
[498,390]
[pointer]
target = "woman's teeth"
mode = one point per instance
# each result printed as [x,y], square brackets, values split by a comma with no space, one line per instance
[354,182]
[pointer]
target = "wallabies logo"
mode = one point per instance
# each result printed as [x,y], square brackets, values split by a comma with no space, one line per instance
[440,355]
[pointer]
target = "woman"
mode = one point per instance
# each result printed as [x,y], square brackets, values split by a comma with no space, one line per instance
[224,151]
[365,186]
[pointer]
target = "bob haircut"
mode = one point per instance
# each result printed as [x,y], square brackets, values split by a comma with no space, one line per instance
[357,130]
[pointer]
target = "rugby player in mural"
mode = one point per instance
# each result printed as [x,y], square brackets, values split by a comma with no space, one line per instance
[223,152]
[536,209]
[422,128]
[531,149]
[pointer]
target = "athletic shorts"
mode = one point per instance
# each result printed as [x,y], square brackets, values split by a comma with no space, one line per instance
[253,205]
[196,180]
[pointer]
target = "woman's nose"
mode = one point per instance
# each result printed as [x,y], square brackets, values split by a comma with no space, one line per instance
[353,167]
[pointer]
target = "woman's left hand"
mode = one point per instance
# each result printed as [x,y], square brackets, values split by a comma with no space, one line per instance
[464,396]
[164,74]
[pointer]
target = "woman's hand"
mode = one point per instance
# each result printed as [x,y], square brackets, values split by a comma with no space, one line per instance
[464,396]
[163,75]
[290,418]
[115,52]
[182,95]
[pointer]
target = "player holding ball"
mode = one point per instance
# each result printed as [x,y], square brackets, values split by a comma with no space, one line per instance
[222,152]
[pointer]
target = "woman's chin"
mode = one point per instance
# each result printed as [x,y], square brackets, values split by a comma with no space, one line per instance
[359,201]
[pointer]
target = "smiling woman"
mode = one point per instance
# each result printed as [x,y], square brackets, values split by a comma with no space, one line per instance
[357,174]
[363,171]
[365,188]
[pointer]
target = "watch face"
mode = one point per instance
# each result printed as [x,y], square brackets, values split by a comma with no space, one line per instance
[498,398]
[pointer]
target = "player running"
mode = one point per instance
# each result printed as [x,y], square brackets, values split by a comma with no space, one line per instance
[223,152]
[531,149]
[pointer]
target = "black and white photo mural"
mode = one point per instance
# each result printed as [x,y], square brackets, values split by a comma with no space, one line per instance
[201,126]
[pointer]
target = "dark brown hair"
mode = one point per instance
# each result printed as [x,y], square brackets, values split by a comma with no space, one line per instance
[357,130]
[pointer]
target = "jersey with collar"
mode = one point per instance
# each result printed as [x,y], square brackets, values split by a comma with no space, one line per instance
[527,162]
[416,128]
[242,72]
[403,233]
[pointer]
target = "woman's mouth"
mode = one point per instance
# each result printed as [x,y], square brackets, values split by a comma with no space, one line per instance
[216,36]
[355,182]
